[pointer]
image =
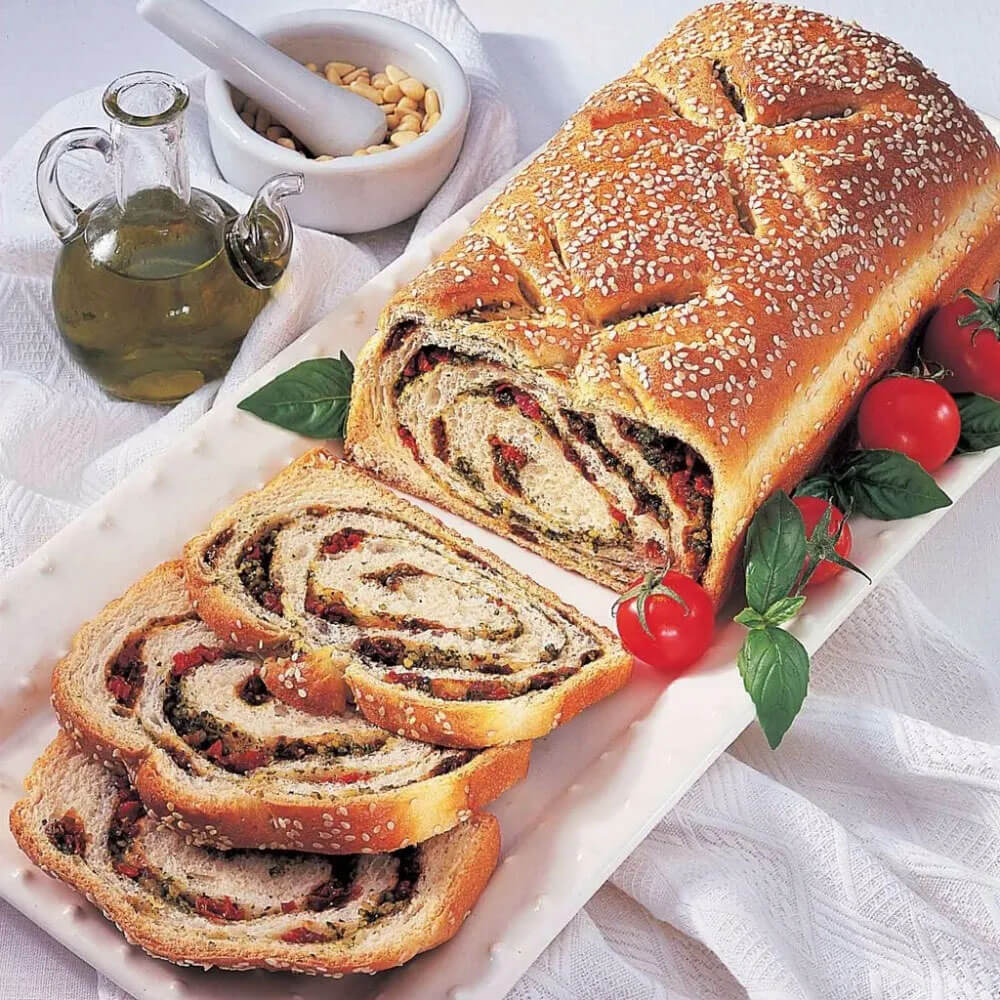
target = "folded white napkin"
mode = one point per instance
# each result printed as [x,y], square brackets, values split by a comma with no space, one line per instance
[63,442]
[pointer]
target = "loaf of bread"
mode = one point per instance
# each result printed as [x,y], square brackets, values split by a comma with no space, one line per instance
[211,752]
[83,823]
[341,581]
[672,310]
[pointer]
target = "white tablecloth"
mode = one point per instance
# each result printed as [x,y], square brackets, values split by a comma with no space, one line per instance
[862,860]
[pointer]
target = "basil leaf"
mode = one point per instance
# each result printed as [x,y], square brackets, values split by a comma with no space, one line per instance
[980,422]
[751,618]
[887,485]
[821,486]
[784,609]
[775,549]
[775,670]
[312,398]
[781,611]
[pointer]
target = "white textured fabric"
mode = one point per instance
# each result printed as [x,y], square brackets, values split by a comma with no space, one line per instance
[63,442]
[861,861]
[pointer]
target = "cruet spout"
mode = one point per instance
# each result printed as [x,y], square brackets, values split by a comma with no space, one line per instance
[260,240]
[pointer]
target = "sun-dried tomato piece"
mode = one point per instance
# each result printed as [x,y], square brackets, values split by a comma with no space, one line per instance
[245,760]
[120,689]
[218,908]
[342,541]
[191,658]
[409,440]
[129,810]
[304,935]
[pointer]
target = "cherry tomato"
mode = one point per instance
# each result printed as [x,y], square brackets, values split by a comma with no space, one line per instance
[972,352]
[913,415]
[679,633]
[812,509]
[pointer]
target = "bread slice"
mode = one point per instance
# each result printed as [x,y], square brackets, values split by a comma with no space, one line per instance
[302,912]
[437,639]
[215,755]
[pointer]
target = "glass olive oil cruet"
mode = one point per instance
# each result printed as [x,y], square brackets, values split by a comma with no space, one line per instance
[157,284]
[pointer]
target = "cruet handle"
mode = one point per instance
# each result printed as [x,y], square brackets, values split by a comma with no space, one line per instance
[63,216]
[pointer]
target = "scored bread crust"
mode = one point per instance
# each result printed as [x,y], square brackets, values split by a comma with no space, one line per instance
[788,220]
[458,866]
[213,806]
[318,478]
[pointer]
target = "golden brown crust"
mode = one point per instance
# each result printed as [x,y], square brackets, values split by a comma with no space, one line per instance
[467,723]
[467,876]
[385,821]
[788,220]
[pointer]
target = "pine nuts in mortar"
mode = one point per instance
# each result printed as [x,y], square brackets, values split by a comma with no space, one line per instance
[411,107]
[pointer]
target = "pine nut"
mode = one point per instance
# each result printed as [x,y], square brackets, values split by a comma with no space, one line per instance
[412,88]
[409,105]
[392,92]
[365,90]
[248,118]
[250,107]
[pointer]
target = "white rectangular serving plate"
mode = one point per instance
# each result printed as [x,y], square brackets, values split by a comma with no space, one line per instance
[596,786]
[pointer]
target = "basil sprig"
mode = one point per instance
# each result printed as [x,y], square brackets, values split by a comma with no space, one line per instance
[779,560]
[879,483]
[311,398]
[980,422]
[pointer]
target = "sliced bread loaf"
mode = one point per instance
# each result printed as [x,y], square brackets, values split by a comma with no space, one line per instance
[214,754]
[83,823]
[438,640]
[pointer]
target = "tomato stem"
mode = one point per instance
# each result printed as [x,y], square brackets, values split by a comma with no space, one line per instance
[985,316]
[652,583]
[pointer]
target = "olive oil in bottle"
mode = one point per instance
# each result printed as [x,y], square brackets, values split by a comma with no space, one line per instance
[166,314]
[157,284]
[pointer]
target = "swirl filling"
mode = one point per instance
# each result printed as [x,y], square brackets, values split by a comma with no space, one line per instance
[403,604]
[611,490]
